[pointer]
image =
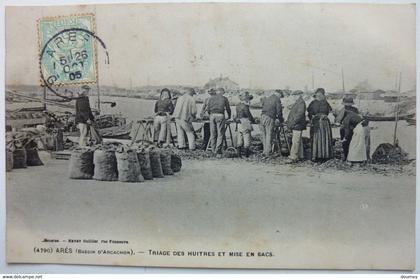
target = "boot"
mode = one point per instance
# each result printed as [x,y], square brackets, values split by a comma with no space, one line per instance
[239,151]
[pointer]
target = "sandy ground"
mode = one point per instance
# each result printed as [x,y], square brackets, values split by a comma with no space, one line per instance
[304,217]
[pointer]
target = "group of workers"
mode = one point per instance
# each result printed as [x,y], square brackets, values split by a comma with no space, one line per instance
[354,131]
[184,111]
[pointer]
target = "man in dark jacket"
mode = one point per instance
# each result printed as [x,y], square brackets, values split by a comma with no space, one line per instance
[271,114]
[245,119]
[84,116]
[217,105]
[350,121]
[204,115]
[296,122]
[347,111]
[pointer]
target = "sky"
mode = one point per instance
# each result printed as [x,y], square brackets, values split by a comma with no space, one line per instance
[256,45]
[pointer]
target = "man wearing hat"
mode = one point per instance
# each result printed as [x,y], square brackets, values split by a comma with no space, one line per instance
[184,113]
[296,122]
[271,114]
[346,133]
[205,116]
[348,105]
[245,118]
[84,116]
[217,105]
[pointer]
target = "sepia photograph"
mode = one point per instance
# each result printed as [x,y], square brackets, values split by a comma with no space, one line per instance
[211,135]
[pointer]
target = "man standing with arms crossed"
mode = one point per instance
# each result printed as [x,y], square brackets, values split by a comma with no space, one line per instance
[216,107]
[184,113]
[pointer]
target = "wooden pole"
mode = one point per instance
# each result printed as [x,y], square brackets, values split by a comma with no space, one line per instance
[397,112]
[99,98]
[396,82]
[342,77]
[45,97]
[97,75]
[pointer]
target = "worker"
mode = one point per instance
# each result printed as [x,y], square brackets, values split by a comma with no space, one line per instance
[348,106]
[296,122]
[359,148]
[204,115]
[245,118]
[163,109]
[217,105]
[271,116]
[321,134]
[185,112]
[353,126]
[84,116]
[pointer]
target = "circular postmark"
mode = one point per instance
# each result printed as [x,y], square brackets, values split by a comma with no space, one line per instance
[68,59]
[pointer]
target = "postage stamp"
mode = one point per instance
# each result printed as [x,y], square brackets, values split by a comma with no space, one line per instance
[67,50]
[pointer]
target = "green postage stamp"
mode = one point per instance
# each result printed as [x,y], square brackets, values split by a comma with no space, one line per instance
[67,50]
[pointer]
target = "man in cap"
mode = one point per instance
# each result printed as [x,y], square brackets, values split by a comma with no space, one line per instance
[350,121]
[84,116]
[205,116]
[346,130]
[217,105]
[245,118]
[296,122]
[271,114]
[184,113]
[348,105]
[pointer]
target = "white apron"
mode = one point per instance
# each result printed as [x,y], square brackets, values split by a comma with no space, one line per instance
[357,149]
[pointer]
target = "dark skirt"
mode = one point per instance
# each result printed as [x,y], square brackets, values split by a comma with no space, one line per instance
[321,138]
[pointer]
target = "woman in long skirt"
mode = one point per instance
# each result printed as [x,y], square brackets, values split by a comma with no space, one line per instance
[321,134]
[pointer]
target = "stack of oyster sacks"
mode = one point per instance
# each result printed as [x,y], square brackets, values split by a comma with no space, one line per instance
[22,149]
[114,161]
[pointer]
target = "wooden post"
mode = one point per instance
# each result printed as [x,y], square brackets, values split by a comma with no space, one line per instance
[397,112]
[99,98]
[44,97]
[97,69]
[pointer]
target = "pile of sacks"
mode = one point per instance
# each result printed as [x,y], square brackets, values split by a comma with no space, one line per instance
[118,162]
[22,150]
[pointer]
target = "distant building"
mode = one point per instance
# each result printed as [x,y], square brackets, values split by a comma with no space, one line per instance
[393,96]
[339,95]
[222,82]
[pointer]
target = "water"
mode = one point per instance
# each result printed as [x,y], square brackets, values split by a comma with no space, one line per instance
[381,132]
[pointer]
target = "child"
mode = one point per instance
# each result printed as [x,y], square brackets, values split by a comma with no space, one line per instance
[359,150]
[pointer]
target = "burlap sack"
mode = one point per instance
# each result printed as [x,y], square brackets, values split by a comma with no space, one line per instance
[81,164]
[105,165]
[32,157]
[165,158]
[155,163]
[19,158]
[176,163]
[144,160]
[9,160]
[128,166]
